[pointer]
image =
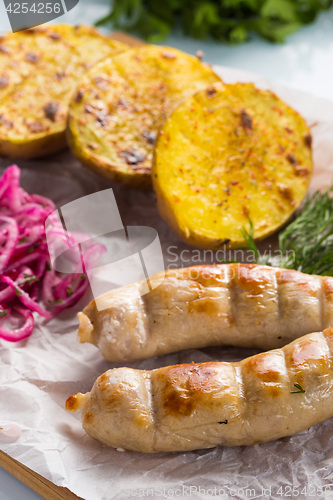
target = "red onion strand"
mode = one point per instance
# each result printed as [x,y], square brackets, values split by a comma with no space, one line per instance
[35,288]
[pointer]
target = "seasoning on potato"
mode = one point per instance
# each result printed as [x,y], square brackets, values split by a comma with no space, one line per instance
[227,154]
[39,71]
[121,104]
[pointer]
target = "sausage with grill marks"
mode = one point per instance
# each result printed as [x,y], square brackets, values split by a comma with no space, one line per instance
[191,406]
[229,304]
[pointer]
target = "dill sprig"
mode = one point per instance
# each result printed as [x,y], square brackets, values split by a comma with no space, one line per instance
[307,243]
[310,237]
[250,245]
[299,388]
[249,239]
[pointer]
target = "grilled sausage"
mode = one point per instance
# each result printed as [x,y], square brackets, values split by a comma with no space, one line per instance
[185,407]
[229,304]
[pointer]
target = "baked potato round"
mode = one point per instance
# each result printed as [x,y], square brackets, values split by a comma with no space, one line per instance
[121,104]
[228,154]
[39,71]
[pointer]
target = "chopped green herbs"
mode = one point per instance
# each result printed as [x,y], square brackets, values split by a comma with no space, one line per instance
[28,278]
[230,21]
[33,247]
[300,389]
[55,302]
[3,313]
[69,292]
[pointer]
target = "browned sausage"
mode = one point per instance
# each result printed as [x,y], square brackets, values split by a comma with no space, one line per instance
[229,304]
[185,407]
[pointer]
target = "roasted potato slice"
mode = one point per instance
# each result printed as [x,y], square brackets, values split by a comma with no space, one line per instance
[39,71]
[227,154]
[121,104]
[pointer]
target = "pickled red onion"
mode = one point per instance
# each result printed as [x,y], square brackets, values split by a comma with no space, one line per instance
[27,282]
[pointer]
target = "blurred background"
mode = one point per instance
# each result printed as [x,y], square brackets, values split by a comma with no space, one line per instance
[303,61]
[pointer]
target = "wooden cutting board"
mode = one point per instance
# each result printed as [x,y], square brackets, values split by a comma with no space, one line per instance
[38,483]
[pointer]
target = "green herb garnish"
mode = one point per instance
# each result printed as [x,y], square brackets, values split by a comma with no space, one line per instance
[3,313]
[69,292]
[55,302]
[300,389]
[307,243]
[249,239]
[310,236]
[17,291]
[226,20]
[224,422]
[28,278]
[33,247]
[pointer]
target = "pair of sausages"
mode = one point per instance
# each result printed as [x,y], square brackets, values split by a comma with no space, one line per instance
[191,406]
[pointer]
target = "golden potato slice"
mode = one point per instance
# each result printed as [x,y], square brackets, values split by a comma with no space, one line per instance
[226,154]
[122,103]
[39,71]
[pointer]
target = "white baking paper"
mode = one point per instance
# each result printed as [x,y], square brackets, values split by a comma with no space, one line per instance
[38,374]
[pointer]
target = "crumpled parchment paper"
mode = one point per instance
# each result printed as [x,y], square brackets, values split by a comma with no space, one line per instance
[38,374]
